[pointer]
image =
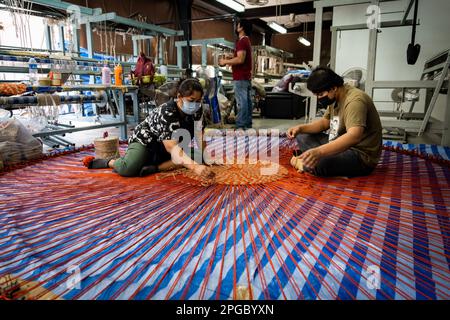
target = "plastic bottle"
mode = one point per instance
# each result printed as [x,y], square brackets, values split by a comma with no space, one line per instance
[32,71]
[118,75]
[106,75]
[163,70]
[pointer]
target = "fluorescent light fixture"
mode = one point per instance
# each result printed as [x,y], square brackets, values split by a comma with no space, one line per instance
[233,5]
[304,41]
[275,26]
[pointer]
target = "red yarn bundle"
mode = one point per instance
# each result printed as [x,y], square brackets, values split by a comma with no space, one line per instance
[87,160]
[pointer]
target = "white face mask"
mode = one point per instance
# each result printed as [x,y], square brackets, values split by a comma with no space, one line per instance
[190,107]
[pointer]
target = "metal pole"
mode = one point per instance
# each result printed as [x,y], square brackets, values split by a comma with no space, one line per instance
[76,38]
[61,38]
[317,36]
[204,55]
[134,96]
[122,114]
[90,48]
[316,56]
[135,48]
[372,56]
[180,57]
[446,130]
[334,34]
[371,60]
[408,9]
[48,37]
[89,40]
[161,49]
[58,132]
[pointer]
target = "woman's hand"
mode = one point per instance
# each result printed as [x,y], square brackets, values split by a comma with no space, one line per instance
[205,173]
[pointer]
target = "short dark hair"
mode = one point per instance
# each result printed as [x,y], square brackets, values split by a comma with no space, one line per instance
[323,79]
[186,87]
[247,26]
[188,72]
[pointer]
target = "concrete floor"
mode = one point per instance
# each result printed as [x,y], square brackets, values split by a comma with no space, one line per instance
[87,137]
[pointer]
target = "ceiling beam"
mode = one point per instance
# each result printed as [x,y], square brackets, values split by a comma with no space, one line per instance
[260,26]
[65,6]
[254,15]
[217,8]
[286,9]
[326,25]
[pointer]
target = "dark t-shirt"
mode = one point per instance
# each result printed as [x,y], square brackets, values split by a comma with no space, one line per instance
[243,71]
[161,123]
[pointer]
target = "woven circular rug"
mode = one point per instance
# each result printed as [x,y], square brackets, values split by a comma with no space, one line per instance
[72,233]
[235,174]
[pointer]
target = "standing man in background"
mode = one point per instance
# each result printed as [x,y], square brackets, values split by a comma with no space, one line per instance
[241,65]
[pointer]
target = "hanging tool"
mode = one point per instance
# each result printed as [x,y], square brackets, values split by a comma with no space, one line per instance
[413,49]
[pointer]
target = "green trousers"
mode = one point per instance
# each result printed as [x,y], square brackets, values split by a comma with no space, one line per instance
[138,156]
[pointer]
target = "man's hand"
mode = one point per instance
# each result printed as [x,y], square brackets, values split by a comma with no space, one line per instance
[222,62]
[292,132]
[205,173]
[311,157]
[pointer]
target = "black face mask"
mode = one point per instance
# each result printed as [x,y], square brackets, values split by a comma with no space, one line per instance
[325,101]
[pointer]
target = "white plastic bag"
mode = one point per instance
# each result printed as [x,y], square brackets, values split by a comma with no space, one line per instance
[17,143]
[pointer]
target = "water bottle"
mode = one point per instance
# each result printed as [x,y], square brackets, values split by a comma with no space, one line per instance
[163,70]
[106,75]
[32,71]
[118,75]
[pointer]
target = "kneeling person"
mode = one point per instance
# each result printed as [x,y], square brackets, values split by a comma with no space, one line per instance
[354,142]
[152,147]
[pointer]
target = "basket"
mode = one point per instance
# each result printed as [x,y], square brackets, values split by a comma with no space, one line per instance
[107,148]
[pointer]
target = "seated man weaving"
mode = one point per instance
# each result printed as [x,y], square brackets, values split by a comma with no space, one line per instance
[353,145]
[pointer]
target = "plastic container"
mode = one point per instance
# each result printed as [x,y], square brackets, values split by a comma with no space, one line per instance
[33,71]
[56,78]
[118,74]
[106,75]
[146,79]
[45,82]
[163,70]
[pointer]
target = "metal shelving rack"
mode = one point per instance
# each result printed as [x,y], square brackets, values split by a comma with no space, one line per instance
[118,92]
[12,60]
[265,54]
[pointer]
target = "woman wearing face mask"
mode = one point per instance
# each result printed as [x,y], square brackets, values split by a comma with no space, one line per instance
[353,145]
[152,147]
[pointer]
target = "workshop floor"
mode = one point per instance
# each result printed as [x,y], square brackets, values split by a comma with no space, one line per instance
[86,234]
[299,237]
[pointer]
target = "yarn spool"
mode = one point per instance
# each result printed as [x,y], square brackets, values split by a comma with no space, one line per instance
[107,147]
[243,292]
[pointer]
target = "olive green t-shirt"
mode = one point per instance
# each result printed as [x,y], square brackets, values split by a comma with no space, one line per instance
[356,109]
